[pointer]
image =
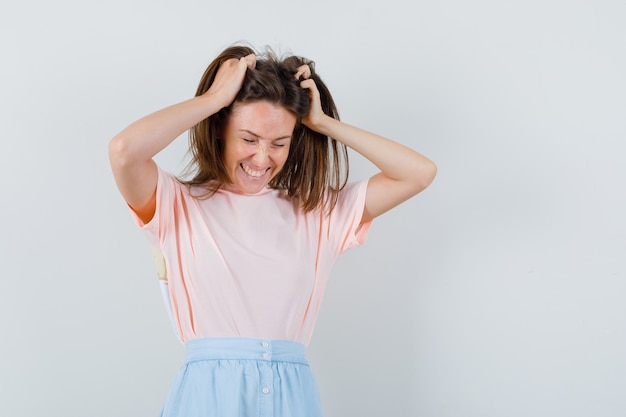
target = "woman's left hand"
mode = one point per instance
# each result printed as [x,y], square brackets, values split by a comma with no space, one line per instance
[315,117]
[404,172]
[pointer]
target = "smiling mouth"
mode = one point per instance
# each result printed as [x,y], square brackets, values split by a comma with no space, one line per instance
[254,173]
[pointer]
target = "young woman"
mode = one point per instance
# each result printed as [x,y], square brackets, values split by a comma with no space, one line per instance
[248,242]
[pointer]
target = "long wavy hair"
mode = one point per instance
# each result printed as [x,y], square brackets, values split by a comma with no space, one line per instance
[316,168]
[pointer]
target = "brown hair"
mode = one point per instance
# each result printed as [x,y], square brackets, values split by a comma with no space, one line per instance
[316,168]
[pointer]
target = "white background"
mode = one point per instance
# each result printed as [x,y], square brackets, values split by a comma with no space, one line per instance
[499,291]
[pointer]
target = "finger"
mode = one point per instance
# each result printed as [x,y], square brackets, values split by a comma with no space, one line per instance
[249,60]
[303,71]
[310,84]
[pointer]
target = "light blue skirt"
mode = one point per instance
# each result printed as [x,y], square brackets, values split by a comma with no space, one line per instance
[242,377]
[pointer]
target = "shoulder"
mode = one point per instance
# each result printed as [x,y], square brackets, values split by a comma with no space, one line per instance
[352,192]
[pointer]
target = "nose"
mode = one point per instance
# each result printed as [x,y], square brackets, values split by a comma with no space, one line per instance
[261,155]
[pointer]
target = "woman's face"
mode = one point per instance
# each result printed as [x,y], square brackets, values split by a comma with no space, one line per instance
[256,144]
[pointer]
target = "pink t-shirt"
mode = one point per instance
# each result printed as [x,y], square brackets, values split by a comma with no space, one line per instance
[241,265]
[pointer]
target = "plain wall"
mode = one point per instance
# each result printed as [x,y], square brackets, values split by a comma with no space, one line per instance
[497,292]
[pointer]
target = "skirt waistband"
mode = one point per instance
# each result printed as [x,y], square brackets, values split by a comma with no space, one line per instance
[241,348]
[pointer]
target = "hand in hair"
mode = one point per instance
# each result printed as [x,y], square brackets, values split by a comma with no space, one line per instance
[303,71]
[316,113]
[229,79]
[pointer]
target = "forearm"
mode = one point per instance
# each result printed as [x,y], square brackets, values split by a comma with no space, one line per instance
[146,137]
[395,161]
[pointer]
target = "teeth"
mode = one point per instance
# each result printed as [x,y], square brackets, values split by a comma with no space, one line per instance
[253,172]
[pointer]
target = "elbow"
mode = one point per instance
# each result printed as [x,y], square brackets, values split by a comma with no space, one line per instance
[431,172]
[424,176]
[119,151]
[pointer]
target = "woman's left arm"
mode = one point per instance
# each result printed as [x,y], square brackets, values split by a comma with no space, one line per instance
[404,172]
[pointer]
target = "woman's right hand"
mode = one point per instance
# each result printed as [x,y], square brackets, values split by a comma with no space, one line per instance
[229,79]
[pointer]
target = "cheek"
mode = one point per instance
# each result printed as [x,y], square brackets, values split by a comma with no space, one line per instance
[283,156]
[232,154]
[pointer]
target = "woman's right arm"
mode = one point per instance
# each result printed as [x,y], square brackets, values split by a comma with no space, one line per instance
[131,151]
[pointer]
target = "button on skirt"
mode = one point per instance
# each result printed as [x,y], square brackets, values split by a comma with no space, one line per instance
[242,377]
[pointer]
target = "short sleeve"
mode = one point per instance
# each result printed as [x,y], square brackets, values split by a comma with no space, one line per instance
[168,192]
[345,229]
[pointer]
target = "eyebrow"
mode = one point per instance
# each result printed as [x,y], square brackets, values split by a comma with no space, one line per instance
[259,137]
